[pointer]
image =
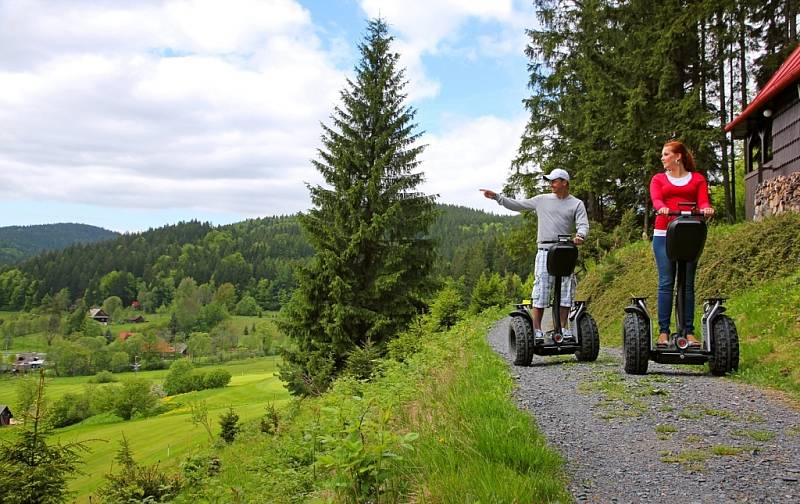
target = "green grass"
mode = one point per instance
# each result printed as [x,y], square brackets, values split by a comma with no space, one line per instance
[475,444]
[725,450]
[170,437]
[619,397]
[467,440]
[755,435]
[754,264]
[690,459]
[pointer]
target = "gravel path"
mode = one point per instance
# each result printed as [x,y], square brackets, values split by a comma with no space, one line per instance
[675,435]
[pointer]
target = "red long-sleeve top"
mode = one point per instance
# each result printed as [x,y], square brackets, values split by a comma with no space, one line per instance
[666,194]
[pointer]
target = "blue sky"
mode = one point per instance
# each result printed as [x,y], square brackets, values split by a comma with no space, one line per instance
[134,115]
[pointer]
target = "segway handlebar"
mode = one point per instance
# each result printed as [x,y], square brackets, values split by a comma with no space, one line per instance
[694,212]
[691,210]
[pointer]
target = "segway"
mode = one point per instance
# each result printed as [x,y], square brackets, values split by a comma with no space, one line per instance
[686,237]
[585,342]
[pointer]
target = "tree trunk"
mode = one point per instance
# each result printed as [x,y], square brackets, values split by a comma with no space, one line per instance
[733,144]
[723,140]
[743,56]
[703,97]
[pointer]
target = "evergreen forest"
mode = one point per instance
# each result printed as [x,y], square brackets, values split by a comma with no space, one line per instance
[18,243]
[258,257]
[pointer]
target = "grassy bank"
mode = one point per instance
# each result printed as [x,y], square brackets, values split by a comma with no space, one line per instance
[437,426]
[754,264]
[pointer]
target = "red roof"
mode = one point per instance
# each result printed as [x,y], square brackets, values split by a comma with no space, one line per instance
[124,335]
[787,74]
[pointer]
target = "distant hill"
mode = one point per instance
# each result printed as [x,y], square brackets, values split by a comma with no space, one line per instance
[18,243]
[258,256]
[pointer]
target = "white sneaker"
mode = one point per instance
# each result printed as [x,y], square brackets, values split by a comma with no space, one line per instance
[567,334]
[538,337]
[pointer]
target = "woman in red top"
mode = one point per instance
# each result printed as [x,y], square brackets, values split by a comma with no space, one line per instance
[679,183]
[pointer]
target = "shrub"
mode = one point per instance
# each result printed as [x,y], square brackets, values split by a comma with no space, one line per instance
[229,424]
[136,483]
[489,291]
[408,342]
[217,378]
[248,306]
[104,377]
[446,308]
[120,361]
[307,372]
[197,380]
[270,420]
[70,409]
[362,362]
[197,468]
[133,397]
[179,378]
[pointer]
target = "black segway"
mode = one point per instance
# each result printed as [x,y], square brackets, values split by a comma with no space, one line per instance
[686,237]
[585,343]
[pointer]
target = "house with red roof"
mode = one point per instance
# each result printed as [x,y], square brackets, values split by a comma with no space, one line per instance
[770,128]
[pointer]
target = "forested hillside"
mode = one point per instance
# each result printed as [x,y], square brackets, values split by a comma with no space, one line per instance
[258,257]
[18,243]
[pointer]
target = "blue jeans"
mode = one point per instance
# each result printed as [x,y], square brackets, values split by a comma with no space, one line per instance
[666,286]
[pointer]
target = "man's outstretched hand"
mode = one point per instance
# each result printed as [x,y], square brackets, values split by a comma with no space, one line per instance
[488,193]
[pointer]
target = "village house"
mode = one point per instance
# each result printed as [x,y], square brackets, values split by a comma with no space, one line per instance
[770,128]
[28,361]
[99,315]
[5,415]
[181,349]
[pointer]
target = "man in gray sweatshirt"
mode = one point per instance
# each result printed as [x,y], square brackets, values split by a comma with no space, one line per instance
[557,213]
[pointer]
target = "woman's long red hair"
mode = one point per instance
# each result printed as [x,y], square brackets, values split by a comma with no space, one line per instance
[677,147]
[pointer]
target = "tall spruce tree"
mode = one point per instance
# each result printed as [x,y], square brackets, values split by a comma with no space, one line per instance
[368,227]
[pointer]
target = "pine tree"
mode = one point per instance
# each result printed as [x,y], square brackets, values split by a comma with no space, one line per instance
[33,469]
[368,227]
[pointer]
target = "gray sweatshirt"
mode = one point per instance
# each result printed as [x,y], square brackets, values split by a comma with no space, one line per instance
[556,216]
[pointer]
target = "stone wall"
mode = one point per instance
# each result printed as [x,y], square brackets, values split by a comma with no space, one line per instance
[778,195]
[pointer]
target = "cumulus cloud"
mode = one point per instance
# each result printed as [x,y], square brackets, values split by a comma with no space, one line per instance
[434,27]
[213,106]
[474,154]
[193,103]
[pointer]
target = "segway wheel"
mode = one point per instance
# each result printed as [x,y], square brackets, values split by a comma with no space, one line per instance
[520,341]
[636,340]
[724,346]
[589,338]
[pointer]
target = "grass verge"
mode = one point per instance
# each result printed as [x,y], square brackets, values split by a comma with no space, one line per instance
[438,426]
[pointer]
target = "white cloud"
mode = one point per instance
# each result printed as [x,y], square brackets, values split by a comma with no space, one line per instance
[185,104]
[215,106]
[473,154]
[433,27]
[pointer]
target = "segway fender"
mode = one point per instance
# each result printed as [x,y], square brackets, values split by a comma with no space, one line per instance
[636,309]
[522,313]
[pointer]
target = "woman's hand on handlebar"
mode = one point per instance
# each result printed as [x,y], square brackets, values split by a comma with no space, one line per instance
[706,213]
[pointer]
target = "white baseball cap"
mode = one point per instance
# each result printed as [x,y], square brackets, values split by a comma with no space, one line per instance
[557,173]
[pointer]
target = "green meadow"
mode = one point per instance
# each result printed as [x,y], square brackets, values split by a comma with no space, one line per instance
[167,438]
